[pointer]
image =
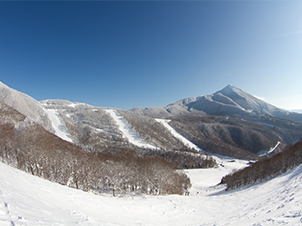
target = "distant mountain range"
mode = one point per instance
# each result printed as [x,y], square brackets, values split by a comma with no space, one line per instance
[229,122]
[296,111]
[228,101]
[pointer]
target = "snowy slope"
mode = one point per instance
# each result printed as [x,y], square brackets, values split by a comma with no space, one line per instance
[29,200]
[58,125]
[128,131]
[188,143]
[25,105]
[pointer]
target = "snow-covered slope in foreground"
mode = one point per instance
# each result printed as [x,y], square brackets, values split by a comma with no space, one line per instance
[29,200]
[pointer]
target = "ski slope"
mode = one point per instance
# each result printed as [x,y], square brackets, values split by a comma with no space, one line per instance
[29,200]
[135,139]
[271,149]
[185,141]
[58,125]
[128,131]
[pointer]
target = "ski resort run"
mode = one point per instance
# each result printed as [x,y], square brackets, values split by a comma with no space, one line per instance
[128,131]
[58,125]
[177,135]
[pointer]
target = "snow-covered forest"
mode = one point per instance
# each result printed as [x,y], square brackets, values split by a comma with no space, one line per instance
[265,169]
[29,200]
[29,147]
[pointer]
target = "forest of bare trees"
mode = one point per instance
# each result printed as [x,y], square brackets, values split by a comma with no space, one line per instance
[29,147]
[265,169]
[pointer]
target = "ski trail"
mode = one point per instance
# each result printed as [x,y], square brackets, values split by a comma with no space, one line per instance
[128,131]
[271,149]
[58,125]
[186,142]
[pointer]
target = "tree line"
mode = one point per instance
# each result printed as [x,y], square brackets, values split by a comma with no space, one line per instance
[265,169]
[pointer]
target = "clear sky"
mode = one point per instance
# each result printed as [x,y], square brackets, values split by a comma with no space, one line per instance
[138,54]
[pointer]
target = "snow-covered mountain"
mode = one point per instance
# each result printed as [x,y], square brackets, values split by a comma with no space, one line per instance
[25,105]
[98,129]
[296,111]
[228,101]
[116,161]
[229,122]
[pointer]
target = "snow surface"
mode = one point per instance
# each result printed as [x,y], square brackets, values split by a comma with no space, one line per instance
[29,200]
[186,142]
[58,125]
[128,131]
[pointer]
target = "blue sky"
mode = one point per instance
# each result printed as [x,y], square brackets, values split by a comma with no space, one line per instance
[128,54]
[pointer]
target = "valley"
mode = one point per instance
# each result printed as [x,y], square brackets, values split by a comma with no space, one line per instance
[33,201]
[154,166]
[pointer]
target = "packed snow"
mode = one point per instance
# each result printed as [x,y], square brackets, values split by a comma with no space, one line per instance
[128,131]
[29,200]
[58,125]
[177,135]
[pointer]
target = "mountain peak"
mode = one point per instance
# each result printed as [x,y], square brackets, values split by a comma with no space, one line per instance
[230,100]
[229,86]
[230,89]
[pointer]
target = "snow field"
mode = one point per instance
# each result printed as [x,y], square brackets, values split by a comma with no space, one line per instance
[29,200]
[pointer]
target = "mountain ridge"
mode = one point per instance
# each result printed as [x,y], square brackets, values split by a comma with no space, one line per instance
[228,122]
[25,104]
[228,101]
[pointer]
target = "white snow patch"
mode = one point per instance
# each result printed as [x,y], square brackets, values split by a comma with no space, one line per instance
[128,131]
[68,115]
[265,124]
[271,149]
[73,105]
[29,200]
[58,125]
[251,111]
[99,130]
[186,142]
